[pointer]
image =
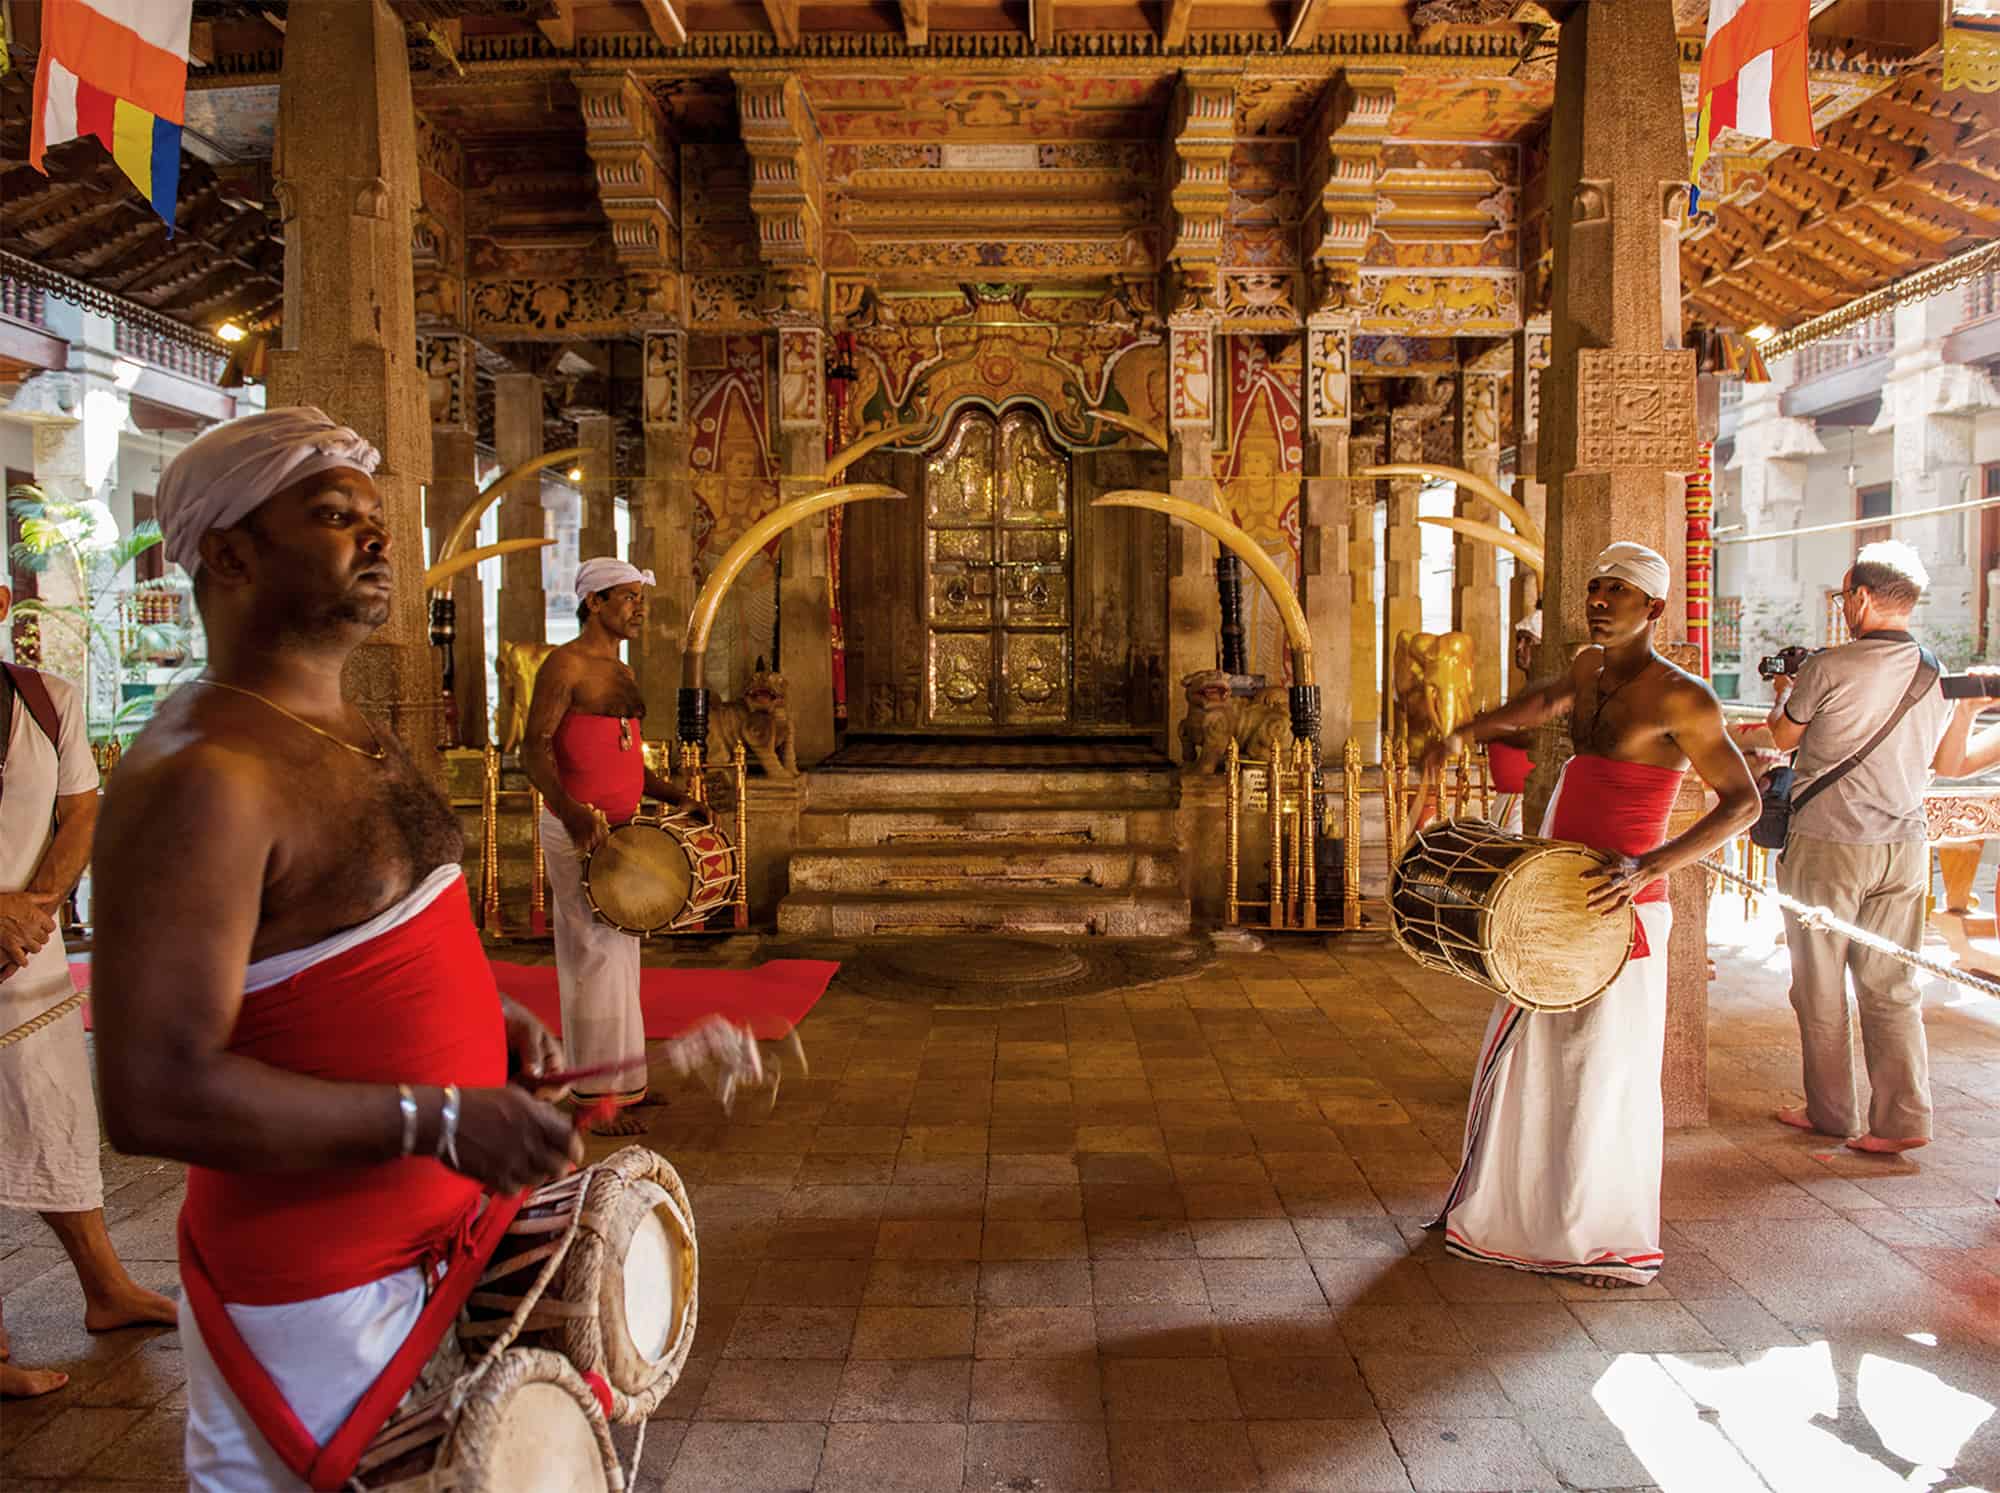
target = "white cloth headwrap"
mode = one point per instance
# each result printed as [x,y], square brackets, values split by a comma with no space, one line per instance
[1644,568]
[601,574]
[224,475]
[1531,625]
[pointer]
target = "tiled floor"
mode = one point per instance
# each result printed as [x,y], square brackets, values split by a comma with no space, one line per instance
[1172,1240]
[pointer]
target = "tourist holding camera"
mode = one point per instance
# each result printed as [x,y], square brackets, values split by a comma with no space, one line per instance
[1868,720]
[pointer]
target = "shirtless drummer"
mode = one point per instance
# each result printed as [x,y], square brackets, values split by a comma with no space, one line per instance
[290,993]
[584,752]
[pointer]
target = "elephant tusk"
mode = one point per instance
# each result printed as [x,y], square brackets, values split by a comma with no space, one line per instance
[468,521]
[444,570]
[1472,528]
[1150,433]
[846,457]
[759,534]
[1479,486]
[1252,554]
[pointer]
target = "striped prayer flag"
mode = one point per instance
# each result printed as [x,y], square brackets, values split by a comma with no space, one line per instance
[1753,77]
[117,69]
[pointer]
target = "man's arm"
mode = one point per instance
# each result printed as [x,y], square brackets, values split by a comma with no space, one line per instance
[664,790]
[1534,706]
[62,864]
[555,685]
[186,846]
[1785,732]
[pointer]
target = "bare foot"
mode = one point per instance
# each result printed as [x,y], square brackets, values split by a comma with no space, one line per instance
[1874,1145]
[25,1384]
[137,1307]
[623,1122]
[1797,1118]
[1607,1282]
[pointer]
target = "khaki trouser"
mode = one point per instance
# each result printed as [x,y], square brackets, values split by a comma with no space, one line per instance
[1881,888]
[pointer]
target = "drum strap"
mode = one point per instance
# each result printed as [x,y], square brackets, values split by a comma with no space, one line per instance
[330,1466]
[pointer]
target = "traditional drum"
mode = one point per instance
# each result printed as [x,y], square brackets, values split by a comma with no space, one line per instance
[661,873]
[1470,899]
[526,1423]
[613,1246]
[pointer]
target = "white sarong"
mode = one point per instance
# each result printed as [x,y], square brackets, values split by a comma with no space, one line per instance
[597,971]
[48,1112]
[1565,1132]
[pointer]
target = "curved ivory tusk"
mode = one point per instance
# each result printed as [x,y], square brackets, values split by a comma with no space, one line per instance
[1209,521]
[468,521]
[847,457]
[1149,433]
[759,534]
[444,570]
[1479,486]
[1472,528]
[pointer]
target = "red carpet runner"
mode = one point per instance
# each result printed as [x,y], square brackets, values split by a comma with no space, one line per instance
[771,999]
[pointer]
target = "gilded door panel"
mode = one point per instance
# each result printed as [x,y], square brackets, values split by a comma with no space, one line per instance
[958,679]
[958,479]
[1035,678]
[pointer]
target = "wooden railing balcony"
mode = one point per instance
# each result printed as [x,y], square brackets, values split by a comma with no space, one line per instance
[1870,338]
[145,345]
[1982,296]
[21,301]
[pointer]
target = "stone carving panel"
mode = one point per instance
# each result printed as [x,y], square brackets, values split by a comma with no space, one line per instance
[1193,375]
[585,306]
[666,379]
[1326,376]
[1439,303]
[448,374]
[1635,410]
[801,377]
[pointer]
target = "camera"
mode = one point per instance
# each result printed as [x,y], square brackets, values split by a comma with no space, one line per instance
[1786,661]
[1979,686]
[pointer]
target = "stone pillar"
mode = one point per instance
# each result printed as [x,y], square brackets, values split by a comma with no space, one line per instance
[1194,611]
[346,186]
[1475,596]
[1364,675]
[667,504]
[1531,356]
[599,532]
[1402,596]
[1323,526]
[805,598]
[1618,417]
[517,438]
[449,372]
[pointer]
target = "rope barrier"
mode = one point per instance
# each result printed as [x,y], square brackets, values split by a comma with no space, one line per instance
[34,1024]
[1819,920]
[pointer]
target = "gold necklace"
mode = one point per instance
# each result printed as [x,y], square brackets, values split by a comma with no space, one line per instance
[375,756]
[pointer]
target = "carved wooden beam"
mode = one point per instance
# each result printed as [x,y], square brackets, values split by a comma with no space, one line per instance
[1865,224]
[560,27]
[916,23]
[632,150]
[1174,18]
[784,18]
[1042,22]
[1202,134]
[786,152]
[1341,163]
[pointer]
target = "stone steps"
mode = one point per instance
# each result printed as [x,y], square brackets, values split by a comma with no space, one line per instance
[991,865]
[1077,913]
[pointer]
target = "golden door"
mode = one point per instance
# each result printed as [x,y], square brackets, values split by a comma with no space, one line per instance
[996,577]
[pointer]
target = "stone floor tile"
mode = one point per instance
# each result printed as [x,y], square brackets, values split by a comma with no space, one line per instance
[1437,1387]
[1176,1389]
[901,1282]
[913,1332]
[1036,1332]
[801,1283]
[1406,1328]
[1135,1282]
[1174,1329]
[1034,1241]
[747,1457]
[892,1458]
[1255,1329]
[1033,1202]
[1040,1389]
[770,1390]
[1546,1326]
[1007,1457]
[1141,1239]
[1375,1282]
[1301,1388]
[1587,1451]
[1468,1456]
[908,1389]
[1643,1327]
[1034,1283]
[791,1332]
[1265,1282]
[1152,1456]
[1353,1456]
[1244,1238]
[928,1241]
[1742,1326]
[962,1202]
[70,1440]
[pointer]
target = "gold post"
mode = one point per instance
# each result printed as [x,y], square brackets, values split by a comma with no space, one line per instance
[1232,827]
[1464,783]
[1277,805]
[489,839]
[538,892]
[697,776]
[1308,838]
[1392,805]
[1485,782]
[741,765]
[1350,850]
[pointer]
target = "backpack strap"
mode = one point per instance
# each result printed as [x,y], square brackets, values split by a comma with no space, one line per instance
[35,694]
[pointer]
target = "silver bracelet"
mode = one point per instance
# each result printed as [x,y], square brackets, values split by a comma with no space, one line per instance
[447,1148]
[407,1103]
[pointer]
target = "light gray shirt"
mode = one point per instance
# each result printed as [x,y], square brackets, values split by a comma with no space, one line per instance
[1842,698]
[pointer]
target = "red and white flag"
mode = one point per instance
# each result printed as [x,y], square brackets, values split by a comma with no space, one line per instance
[1753,76]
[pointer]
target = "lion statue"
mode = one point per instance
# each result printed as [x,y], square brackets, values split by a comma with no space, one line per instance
[1266,722]
[1433,688]
[518,664]
[1210,724]
[760,721]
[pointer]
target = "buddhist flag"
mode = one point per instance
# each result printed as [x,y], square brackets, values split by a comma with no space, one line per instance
[117,69]
[1753,77]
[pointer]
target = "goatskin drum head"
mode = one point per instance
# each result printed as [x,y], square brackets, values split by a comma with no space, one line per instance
[638,879]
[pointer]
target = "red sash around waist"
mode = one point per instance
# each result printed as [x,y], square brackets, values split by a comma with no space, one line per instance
[1511,767]
[594,769]
[1622,807]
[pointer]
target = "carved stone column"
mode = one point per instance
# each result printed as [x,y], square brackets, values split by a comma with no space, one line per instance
[1194,612]
[1323,524]
[1402,592]
[805,600]
[517,436]
[1475,595]
[599,534]
[347,187]
[668,504]
[1531,356]
[1618,420]
[1365,668]
[449,372]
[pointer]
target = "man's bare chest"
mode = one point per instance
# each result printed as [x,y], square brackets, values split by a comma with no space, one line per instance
[607,689]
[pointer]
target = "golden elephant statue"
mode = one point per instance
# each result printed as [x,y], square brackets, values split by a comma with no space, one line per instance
[1432,687]
[518,665]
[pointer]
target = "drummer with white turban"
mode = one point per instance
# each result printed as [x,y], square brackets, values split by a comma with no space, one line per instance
[1560,1172]
[585,751]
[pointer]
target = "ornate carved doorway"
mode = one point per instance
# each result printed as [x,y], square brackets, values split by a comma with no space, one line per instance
[996,576]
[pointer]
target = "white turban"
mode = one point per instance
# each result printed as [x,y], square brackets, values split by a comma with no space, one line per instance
[1634,563]
[601,574]
[224,475]
[1531,625]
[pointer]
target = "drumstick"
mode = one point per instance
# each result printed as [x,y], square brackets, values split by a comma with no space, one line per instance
[556,1078]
